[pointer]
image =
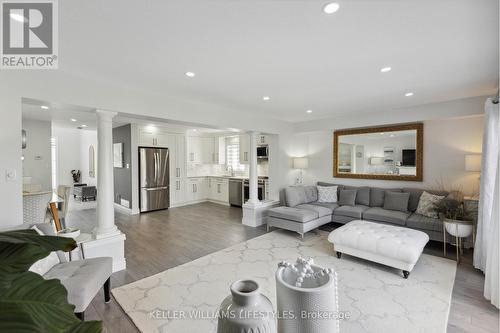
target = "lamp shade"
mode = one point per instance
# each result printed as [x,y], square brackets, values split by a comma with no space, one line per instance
[300,162]
[473,162]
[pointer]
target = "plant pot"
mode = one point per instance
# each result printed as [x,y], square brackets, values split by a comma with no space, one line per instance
[313,295]
[458,228]
[246,310]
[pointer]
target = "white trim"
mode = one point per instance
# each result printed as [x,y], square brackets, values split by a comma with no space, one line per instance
[123,209]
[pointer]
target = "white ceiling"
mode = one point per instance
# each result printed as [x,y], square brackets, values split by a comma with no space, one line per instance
[61,115]
[288,50]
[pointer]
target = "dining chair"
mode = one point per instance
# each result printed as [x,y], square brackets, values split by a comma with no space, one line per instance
[64,192]
[35,207]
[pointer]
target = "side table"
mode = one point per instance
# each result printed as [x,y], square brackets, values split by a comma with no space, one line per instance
[459,230]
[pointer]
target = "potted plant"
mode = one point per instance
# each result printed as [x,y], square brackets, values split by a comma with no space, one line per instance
[28,302]
[456,220]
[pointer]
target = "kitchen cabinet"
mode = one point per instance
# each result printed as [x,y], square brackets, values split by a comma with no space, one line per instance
[153,139]
[194,150]
[177,191]
[219,150]
[197,189]
[262,139]
[244,149]
[218,189]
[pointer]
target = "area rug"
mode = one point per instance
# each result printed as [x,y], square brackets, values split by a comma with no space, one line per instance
[375,297]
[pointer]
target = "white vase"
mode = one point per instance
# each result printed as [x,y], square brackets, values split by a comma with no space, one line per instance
[246,310]
[309,292]
[458,228]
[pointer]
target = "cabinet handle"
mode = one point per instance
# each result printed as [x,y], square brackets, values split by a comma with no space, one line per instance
[218,188]
[245,156]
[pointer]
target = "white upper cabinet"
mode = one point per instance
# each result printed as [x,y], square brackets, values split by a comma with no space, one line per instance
[194,150]
[206,150]
[219,150]
[244,149]
[153,139]
[262,139]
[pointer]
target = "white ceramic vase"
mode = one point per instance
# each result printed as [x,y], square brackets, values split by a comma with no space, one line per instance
[246,310]
[307,298]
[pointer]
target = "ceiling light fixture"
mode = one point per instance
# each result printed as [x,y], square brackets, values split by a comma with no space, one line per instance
[73,119]
[309,111]
[190,74]
[385,69]
[382,133]
[195,130]
[392,135]
[409,94]
[266,98]
[331,8]
[83,125]
[45,107]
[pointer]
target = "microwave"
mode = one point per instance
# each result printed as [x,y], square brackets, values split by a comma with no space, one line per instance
[263,151]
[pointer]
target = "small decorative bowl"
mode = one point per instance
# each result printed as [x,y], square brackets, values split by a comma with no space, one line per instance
[69,233]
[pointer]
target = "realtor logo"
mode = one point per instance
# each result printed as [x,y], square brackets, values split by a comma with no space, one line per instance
[29,35]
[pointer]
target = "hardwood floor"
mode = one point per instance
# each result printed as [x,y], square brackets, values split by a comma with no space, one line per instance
[161,240]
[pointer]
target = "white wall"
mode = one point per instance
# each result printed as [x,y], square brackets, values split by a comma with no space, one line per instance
[37,156]
[446,141]
[73,153]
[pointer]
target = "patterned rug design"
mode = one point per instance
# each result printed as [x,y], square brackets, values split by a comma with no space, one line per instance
[376,297]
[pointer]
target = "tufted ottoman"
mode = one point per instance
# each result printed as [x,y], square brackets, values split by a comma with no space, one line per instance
[385,244]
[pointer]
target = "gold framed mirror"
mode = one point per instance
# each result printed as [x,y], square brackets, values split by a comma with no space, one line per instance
[393,152]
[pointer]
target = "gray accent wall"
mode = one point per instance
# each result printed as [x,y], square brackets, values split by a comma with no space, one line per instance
[123,176]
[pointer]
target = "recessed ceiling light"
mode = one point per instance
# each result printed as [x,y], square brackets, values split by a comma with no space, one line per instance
[45,107]
[331,8]
[190,74]
[385,69]
[266,98]
[392,135]
[382,133]
[17,17]
[195,130]
[83,125]
[409,94]
[309,111]
[73,119]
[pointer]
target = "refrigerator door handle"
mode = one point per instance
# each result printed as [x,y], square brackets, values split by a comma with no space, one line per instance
[156,188]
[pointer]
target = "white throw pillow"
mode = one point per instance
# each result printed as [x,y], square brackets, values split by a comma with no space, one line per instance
[44,265]
[327,193]
[427,205]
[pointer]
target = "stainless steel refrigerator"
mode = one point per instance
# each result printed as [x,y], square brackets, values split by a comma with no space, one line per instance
[154,178]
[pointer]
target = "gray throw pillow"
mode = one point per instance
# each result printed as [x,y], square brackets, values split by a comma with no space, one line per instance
[396,201]
[347,197]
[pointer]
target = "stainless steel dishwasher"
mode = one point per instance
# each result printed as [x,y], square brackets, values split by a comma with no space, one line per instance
[236,192]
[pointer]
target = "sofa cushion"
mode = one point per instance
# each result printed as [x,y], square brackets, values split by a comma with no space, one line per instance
[351,211]
[295,195]
[427,205]
[327,194]
[293,214]
[322,211]
[379,214]
[347,198]
[422,222]
[311,193]
[396,201]
[377,195]
[339,186]
[82,279]
[362,194]
[415,194]
[331,205]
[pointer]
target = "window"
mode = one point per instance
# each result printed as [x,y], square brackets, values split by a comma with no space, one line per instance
[233,153]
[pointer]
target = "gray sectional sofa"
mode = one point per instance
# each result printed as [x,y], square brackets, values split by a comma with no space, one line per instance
[302,211]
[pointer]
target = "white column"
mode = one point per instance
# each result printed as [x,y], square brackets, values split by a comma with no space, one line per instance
[105,189]
[253,178]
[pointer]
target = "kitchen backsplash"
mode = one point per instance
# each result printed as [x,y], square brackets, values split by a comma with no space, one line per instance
[201,170]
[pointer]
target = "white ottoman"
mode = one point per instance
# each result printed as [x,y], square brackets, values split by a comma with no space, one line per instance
[385,244]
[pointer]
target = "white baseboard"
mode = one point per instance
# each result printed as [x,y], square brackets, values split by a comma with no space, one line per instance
[123,209]
[199,201]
